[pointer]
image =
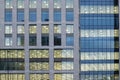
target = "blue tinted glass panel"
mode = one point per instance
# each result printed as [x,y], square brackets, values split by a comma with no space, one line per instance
[57,16]
[69,40]
[69,15]
[20,16]
[32,16]
[8,16]
[97,42]
[45,16]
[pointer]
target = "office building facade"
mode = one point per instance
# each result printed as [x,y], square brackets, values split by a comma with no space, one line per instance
[59,39]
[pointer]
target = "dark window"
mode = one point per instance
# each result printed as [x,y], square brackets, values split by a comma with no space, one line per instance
[20,16]
[45,16]
[8,15]
[32,40]
[32,16]
[57,40]
[57,16]
[45,40]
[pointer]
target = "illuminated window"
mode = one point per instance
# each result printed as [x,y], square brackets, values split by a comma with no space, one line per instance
[39,66]
[57,28]
[8,4]
[20,29]
[57,3]
[39,77]
[45,3]
[63,65]
[39,53]
[69,29]
[45,29]
[8,29]
[63,77]
[32,3]
[69,3]
[12,76]
[65,53]
[32,29]
[20,3]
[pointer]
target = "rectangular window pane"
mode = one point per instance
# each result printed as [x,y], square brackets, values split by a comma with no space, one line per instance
[57,40]
[20,40]
[45,40]
[45,3]
[45,29]
[32,3]
[8,15]
[8,4]
[57,28]
[69,3]
[57,3]
[32,40]
[69,28]
[69,40]
[32,15]
[39,77]
[57,16]
[20,16]
[20,3]
[32,29]
[45,16]
[8,40]
[8,29]
[69,15]
[20,29]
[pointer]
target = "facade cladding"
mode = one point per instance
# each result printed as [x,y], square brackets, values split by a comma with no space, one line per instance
[59,40]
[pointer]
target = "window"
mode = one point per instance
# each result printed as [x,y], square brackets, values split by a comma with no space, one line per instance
[63,76]
[45,3]
[32,3]
[8,29]
[45,40]
[57,3]
[8,40]
[44,53]
[65,53]
[32,29]
[64,65]
[69,15]
[69,40]
[12,76]
[69,29]
[32,40]
[45,15]
[57,16]
[20,40]
[57,40]
[39,77]
[39,65]
[8,15]
[20,16]
[57,28]
[32,15]
[45,29]
[20,29]
[8,4]
[12,54]
[69,3]
[20,3]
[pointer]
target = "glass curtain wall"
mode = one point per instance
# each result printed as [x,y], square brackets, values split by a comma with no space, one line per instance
[99,40]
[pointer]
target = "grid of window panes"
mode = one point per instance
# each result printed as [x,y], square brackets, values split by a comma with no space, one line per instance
[12,60]
[99,40]
[12,76]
